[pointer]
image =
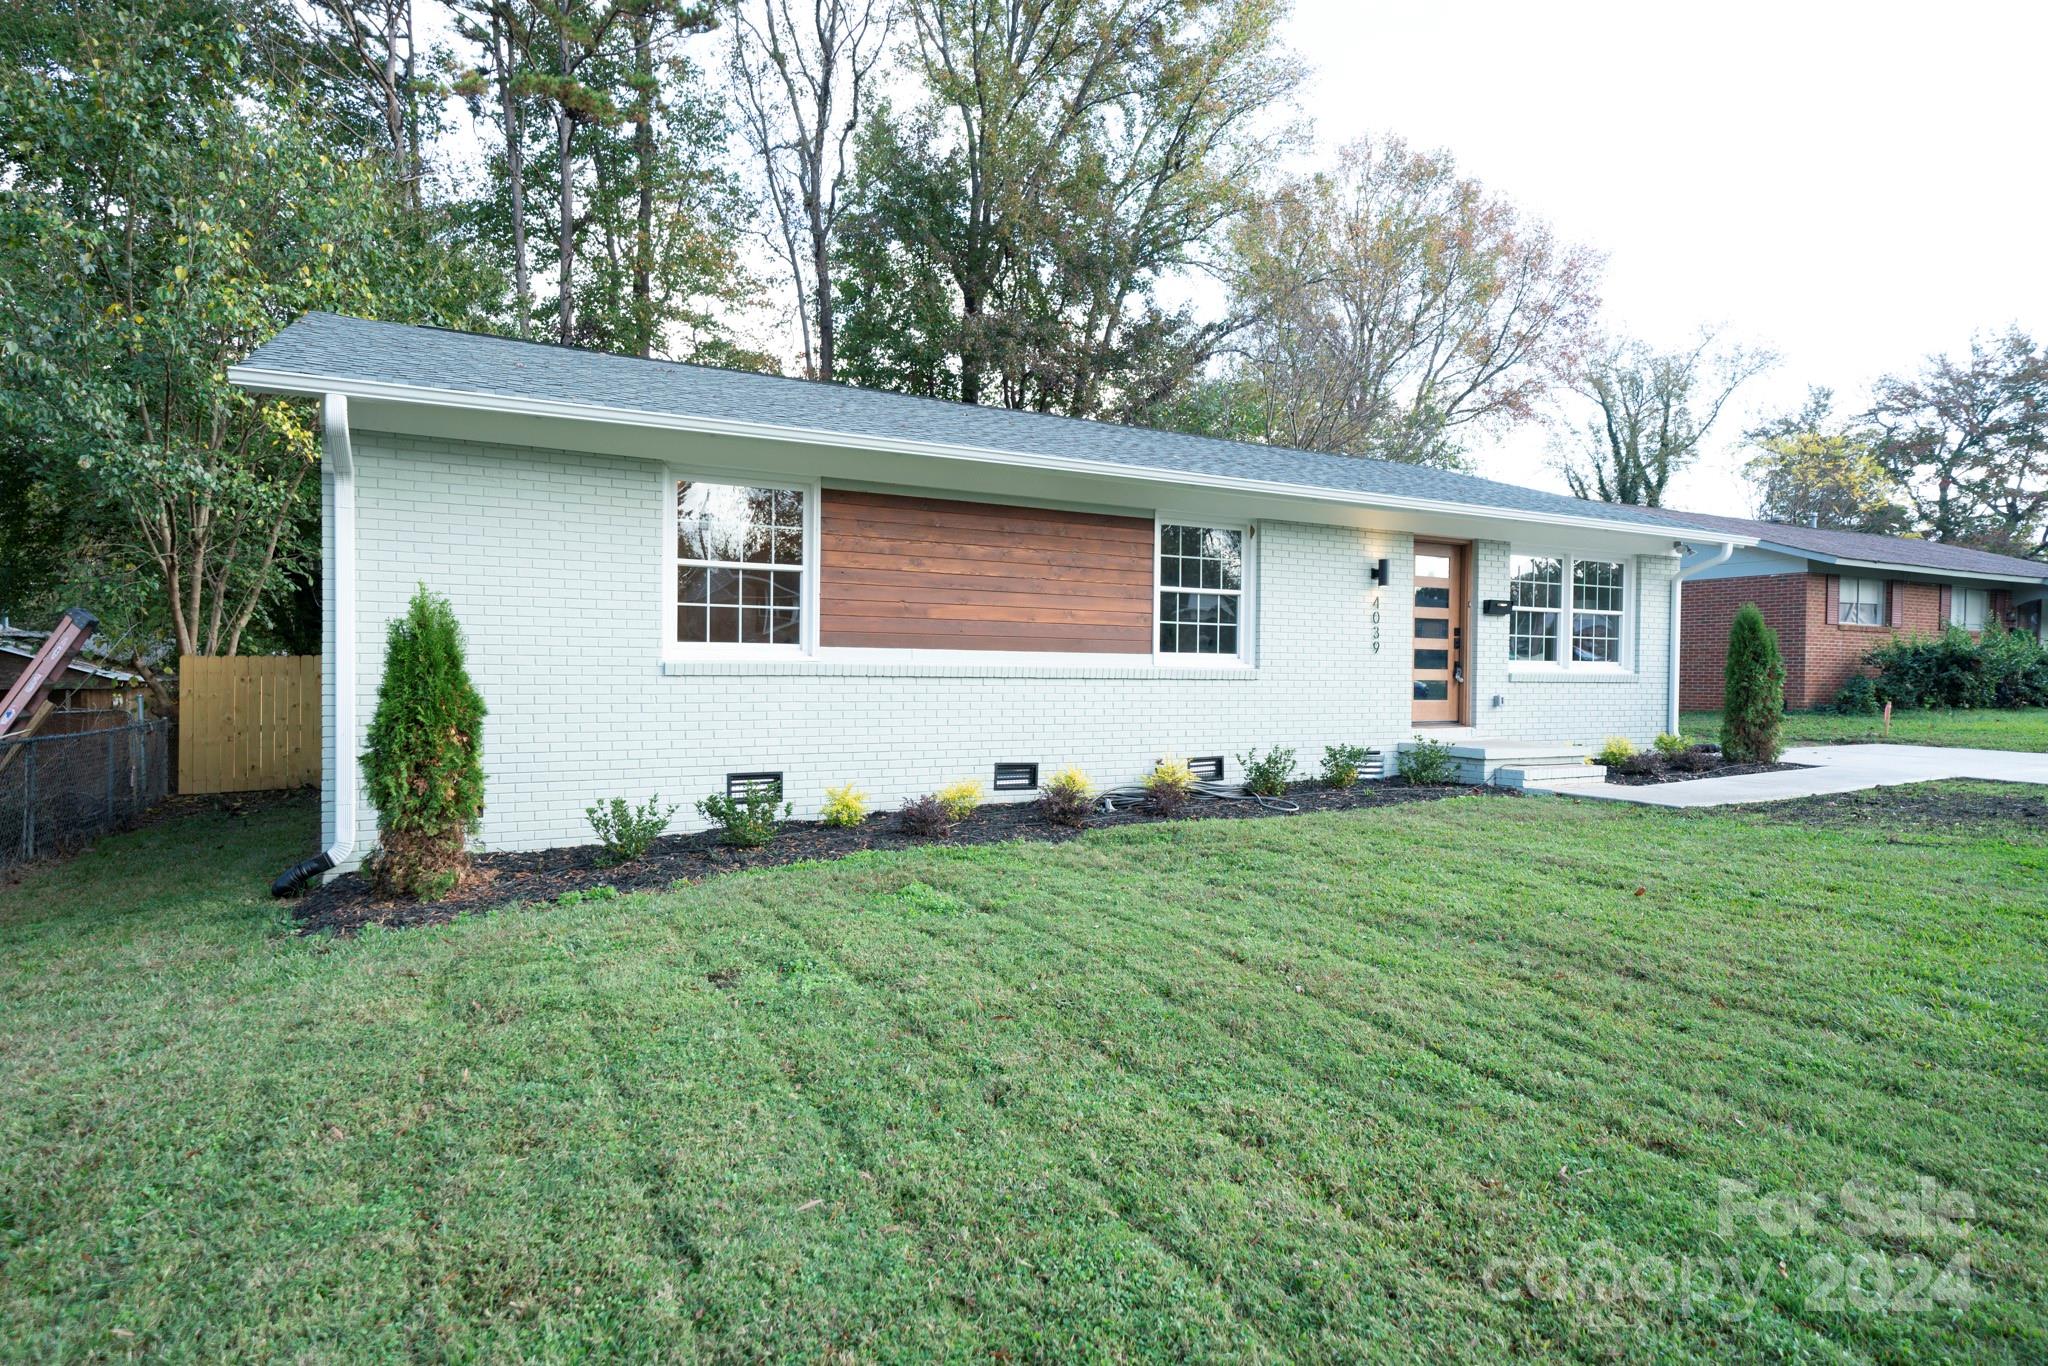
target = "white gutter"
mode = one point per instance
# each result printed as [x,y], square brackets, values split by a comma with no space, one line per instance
[1677,598]
[341,667]
[292,382]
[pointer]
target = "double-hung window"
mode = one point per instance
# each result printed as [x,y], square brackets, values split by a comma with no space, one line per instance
[1862,602]
[1201,590]
[739,566]
[1969,608]
[1567,611]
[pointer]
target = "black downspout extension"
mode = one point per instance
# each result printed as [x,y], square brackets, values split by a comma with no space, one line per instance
[293,880]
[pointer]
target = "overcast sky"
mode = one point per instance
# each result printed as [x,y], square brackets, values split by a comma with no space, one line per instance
[1852,185]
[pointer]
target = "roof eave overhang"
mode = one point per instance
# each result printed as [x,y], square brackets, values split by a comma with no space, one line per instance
[305,385]
[1899,567]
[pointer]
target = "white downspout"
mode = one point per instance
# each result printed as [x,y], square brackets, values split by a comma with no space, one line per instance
[341,464]
[1677,597]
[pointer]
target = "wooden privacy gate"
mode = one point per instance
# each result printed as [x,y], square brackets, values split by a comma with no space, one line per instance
[247,724]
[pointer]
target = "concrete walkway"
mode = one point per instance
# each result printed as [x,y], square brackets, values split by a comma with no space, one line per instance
[1836,768]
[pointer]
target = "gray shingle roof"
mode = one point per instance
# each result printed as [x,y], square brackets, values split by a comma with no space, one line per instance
[334,347]
[1907,552]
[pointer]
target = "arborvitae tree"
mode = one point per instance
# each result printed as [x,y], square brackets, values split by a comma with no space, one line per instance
[1753,702]
[424,764]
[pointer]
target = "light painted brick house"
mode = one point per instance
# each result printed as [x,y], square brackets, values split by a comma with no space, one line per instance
[673,576]
[1833,595]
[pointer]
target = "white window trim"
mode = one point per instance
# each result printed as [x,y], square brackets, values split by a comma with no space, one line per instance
[1564,666]
[807,626]
[1955,602]
[1247,592]
[1842,600]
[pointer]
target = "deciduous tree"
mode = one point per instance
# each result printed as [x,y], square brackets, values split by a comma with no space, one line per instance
[1812,469]
[1393,305]
[1968,441]
[1065,157]
[1651,411]
[806,80]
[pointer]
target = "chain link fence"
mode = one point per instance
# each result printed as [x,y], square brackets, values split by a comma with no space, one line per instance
[58,792]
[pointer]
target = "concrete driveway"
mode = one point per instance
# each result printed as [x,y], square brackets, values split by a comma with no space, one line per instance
[1835,768]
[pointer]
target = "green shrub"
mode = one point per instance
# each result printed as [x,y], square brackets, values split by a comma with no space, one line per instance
[845,806]
[2002,669]
[1614,751]
[1428,763]
[1858,697]
[1753,693]
[1067,798]
[1267,777]
[926,817]
[747,821]
[626,831]
[960,799]
[424,765]
[1342,764]
[1670,746]
[1169,785]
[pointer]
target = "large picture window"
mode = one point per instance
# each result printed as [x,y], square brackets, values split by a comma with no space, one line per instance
[1201,589]
[1567,611]
[739,565]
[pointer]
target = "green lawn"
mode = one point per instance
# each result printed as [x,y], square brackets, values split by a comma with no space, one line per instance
[1334,1086]
[2025,729]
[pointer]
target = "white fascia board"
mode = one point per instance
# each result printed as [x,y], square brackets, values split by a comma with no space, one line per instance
[1894,567]
[285,382]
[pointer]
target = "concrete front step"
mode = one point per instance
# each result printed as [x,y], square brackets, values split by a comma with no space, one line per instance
[1550,775]
[1569,771]
[1484,761]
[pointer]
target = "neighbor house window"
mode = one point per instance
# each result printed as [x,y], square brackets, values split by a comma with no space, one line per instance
[739,565]
[1970,608]
[1566,611]
[1201,589]
[1862,602]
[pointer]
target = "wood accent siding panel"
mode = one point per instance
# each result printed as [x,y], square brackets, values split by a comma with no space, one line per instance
[933,574]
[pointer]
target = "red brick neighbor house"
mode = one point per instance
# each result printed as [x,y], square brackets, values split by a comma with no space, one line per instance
[1833,595]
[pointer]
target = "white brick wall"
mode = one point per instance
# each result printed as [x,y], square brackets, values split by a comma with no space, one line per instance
[551,560]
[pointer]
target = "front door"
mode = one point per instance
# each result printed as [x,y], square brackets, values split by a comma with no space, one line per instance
[1439,633]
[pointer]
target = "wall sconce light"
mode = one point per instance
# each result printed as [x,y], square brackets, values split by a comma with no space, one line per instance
[1377,573]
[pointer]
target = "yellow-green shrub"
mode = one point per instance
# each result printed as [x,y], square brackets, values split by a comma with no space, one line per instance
[960,799]
[846,805]
[1067,797]
[1614,750]
[1169,785]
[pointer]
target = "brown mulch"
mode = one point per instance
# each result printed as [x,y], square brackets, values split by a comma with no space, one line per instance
[348,903]
[1669,773]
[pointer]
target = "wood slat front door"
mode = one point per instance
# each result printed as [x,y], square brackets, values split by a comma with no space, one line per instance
[1439,645]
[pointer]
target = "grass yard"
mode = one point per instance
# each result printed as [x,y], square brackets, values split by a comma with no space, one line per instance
[1453,1079]
[2022,729]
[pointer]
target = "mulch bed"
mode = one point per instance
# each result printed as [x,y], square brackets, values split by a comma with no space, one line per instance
[1670,773]
[347,903]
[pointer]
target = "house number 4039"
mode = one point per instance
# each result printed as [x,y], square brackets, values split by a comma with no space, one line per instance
[1375,623]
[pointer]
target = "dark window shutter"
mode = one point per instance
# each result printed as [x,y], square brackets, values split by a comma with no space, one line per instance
[1947,606]
[1833,599]
[1895,600]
